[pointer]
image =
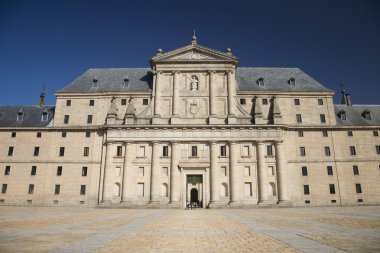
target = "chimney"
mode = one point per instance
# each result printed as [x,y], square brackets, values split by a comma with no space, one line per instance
[346,99]
[42,98]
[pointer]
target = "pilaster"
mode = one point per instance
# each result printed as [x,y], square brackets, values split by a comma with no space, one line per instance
[235,177]
[215,174]
[175,176]
[262,173]
[155,174]
[281,173]
[127,173]
[107,185]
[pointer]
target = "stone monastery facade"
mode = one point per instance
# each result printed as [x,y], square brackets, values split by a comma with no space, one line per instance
[193,128]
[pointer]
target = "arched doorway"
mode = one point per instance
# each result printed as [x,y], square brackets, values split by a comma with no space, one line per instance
[194,195]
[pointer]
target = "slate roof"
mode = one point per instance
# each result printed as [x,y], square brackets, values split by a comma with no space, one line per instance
[32,116]
[354,115]
[276,79]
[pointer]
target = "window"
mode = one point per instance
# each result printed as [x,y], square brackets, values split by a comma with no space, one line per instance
[141,171]
[242,101]
[89,119]
[304,171]
[358,188]
[248,189]
[31,189]
[378,149]
[223,150]
[265,101]
[296,101]
[194,151]
[165,171]
[59,171]
[247,171]
[83,189]
[20,115]
[66,119]
[36,151]
[260,81]
[165,151]
[88,134]
[44,116]
[375,133]
[61,151]
[63,134]
[140,190]
[325,133]
[299,118]
[84,171]
[91,102]
[300,133]
[145,101]
[355,169]
[367,115]
[292,81]
[306,190]
[123,101]
[13,135]
[86,151]
[352,150]
[302,151]
[327,151]
[95,83]
[4,188]
[119,150]
[330,171]
[10,151]
[332,188]
[269,150]
[349,133]
[320,101]
[57,189]
[323,118]
[33,172]
[68,102]
[7,170]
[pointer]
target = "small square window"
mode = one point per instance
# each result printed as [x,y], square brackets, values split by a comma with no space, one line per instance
[88,134]
[91,102]
[59,171]
[320,101]
[302,151]
[375,133]
[242,101]
[296,101]
[13,135]
[304,171]
[327,151]
[360,200]
[66,119]
[84,171]
[300,133]
[265,101]
[378,149]
[322,118]
[63,134]
[307,201]
[299,118]
[123,101]
[349,133]
[89,119]
[325,133]
[39,134]
[333,201]
[68,102]
[145,101]
[355,169]
[330,171]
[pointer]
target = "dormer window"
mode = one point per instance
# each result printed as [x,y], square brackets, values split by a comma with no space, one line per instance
[126,80]
[342,115]
[260,81]
[44,115]
[367,115]
[292,81]
[95,83]
[20,115]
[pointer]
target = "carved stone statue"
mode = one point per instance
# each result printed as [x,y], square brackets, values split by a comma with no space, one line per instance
[194,83]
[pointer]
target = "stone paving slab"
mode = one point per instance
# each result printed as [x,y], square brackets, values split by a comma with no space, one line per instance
[328,229]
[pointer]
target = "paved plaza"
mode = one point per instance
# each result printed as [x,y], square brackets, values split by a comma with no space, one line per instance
[324,229]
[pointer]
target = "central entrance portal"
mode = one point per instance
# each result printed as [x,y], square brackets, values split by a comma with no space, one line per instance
[194,195]
[194,185]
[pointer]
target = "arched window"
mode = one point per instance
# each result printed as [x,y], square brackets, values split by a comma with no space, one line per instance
[116,190]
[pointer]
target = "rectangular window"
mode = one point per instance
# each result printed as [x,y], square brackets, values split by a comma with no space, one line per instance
[378,149]
[61,151]
[59,171]
[304,171]
[355,169]
[165,151]
[302,151]
[165,171]
[330,171]
[375,133]
[89,119]
[4,188]
[91,102]
[63,134]
[33,172]
[83,189]
[141,171]
[300,133]
[327,151]
[320,101]
[265,101]
[119,151]
[140,190]
[352,150]
[323,118]
[332,188]
[247,171]
[194,151]
[296,101]
[242,101]
[88,134]
[36,151]
[13,135]
[84,171]
[358,188]
[269,150]
[10,151]
[223,150]
[57,189]
[246,150]
[68,102]
[306,190]
[7,170]
[66,119]
[325,133]
[123,101]
[299,118]
[223,171]
[31,189]
[86,151]
[39,134]
[349,133]
[248,189]
[145,101]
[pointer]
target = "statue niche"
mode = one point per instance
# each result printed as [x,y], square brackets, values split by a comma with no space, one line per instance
[194,83]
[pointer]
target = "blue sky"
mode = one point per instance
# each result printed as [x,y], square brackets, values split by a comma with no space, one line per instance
[53,42]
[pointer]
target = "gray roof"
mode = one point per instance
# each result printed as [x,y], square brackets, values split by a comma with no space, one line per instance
[112,80]
[354,115]
[32,116]
[276,79]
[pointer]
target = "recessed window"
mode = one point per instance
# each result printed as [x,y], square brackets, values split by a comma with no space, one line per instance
[304,171]
[123,101]
[66,119]
[375,133]
[10,151]
[265,101]
[61,151]
[88,134]
[242,101]
[322,118]
[194,151]
[269,150]
[292,81]
[57,189]
[63,134]
[296,101]
[86,151]
[33,171]
[352,150]
[95,83]
[84,171]
[145,101]
[7,170]
[83,190]
[36,151]
[13,135]
[4,188]
[349,133]
[302,151]
[320,101]
[260,81]
[300,133]
[360,200]
[39,134]
[299,118]
[332,188]
[355,169]
[165,150]
[378,149]
[342,115]
[327,151]
[91,102]
[307,201]
[367,115]
[330,171]
[20,115]
[68,102]
[89,119]
[333,201]
[325,133]
[306,190]
[59,171]
[358,188]
[223,150]
[119,151]
[31,189]
[44,116]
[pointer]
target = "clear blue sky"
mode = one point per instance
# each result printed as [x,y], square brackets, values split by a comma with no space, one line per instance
[53,42]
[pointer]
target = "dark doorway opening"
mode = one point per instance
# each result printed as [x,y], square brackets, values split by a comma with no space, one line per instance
[194,196]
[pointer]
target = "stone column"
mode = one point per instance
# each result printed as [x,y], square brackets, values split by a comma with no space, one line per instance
[262,173]
[235,182]
[127,172]
[231,93]
[215,174]
[175,106]
[212,93]
[175,175]
[157,96]
[281,172]
[155,173]
[108,175]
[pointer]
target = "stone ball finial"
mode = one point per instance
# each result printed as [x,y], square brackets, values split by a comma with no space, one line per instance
[228,50]
[159,50]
